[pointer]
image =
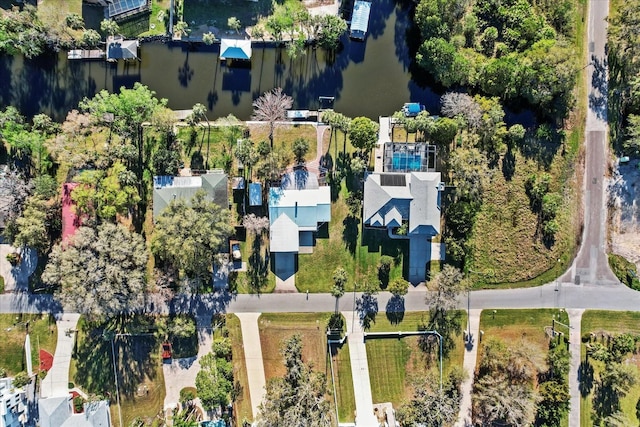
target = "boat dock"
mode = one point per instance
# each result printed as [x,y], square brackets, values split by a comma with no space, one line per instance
[85,54]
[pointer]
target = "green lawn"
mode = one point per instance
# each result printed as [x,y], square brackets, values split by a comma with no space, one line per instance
[138,361]
[344,383]
[525,325]
[613,322]
[212,13]
[394,362]
[284,135]
[277,327]
[242,283]
[43,335]
[343,243]
[242,405]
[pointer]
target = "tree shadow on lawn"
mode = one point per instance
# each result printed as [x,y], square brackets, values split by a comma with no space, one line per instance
[350,233]
[585,378]
[134,362]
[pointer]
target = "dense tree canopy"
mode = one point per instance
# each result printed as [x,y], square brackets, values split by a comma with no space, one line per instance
[509,49]
[188,233]
[100,272]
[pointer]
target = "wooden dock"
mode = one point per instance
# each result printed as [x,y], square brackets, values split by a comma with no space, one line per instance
[85,54]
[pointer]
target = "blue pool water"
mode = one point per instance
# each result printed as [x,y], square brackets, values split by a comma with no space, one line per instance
[406,162]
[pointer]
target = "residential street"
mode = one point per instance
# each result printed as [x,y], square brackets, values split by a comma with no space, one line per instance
[591,263]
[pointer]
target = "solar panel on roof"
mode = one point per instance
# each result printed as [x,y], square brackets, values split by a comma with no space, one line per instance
[392,180]
[122,6]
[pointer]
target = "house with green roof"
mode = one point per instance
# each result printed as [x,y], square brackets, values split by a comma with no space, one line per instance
[168,188]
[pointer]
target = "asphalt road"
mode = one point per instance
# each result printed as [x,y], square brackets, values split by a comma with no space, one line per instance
[560,295]
[591,265]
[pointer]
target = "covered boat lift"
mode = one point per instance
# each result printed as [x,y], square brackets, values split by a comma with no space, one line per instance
[360,20]
[236,49]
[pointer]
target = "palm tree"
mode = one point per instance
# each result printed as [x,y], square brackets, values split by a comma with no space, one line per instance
[271,107]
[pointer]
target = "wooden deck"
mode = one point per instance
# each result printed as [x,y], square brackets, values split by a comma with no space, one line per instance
[85,54]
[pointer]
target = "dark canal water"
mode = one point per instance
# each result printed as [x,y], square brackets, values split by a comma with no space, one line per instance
[370,79]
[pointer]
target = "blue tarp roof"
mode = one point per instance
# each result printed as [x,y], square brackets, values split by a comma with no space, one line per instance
[360,18]
[255,194]
[413,107]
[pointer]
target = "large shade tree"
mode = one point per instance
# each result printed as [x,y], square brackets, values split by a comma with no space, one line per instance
[188,234]
[271,107]
[99,272]
[363,133]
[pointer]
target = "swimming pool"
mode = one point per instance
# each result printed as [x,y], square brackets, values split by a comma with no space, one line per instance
[406,162]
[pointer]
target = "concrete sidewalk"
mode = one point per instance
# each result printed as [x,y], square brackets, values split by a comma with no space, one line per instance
[253,358]
[360,372]
[56,383]
[575,321]
[469,365]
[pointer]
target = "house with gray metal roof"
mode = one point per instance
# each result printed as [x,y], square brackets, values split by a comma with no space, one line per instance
[168,188]
[409,202]
[296,210]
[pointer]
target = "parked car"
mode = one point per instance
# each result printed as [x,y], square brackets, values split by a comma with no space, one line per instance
[234,249]
[166,350]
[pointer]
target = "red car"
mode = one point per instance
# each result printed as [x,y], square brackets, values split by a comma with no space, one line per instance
[166,350]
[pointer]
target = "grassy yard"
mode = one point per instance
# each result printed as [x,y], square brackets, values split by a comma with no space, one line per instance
[344,383]
[393,362]
[138,361]
[612,322]
[284,135]
[275,328]
[242,406]
[43,335]
[242,283]
[520,326]
[344,244]
[209,14]
[506,236]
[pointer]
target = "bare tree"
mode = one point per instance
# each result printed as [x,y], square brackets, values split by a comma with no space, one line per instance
[255,224]
[463,106]
[14,190]
[271,107]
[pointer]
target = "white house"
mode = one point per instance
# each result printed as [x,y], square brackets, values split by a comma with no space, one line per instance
[13,404]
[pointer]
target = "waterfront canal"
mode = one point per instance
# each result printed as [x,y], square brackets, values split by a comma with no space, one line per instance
[369,79]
